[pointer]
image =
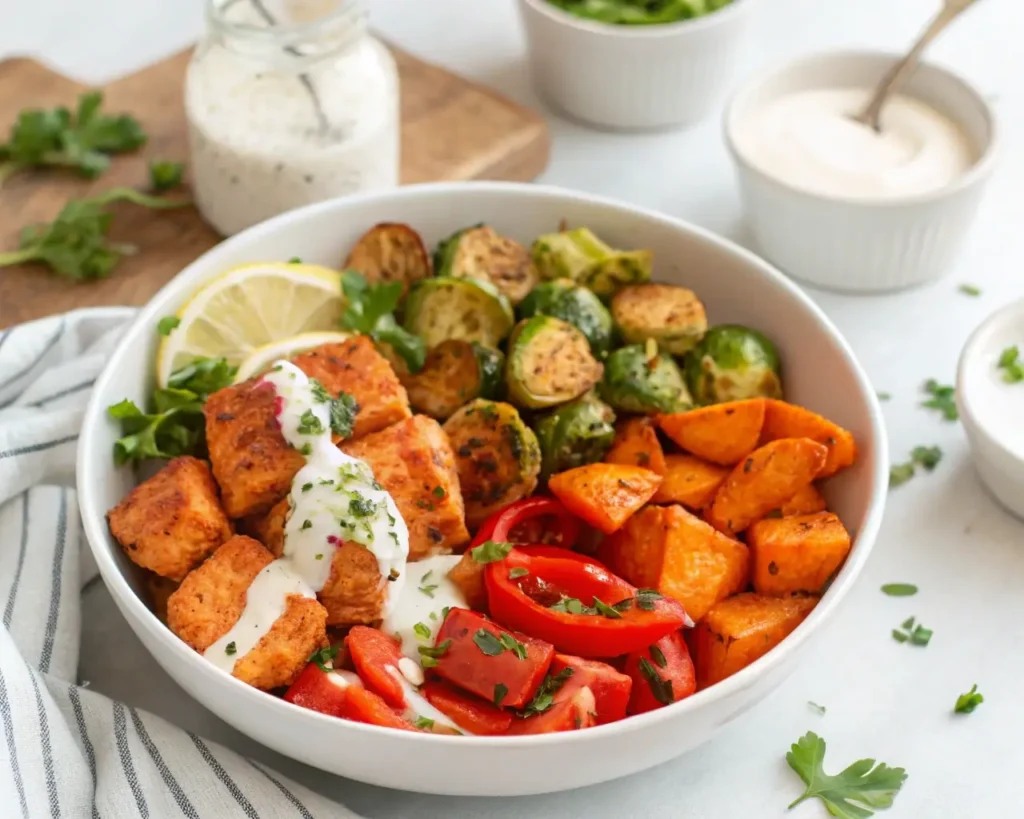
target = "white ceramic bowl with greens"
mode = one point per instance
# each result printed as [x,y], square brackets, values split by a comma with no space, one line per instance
[737,287]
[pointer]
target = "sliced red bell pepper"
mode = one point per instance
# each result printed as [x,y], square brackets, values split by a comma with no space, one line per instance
[362,705]
[495,663]
[375,656]
[610,687]
[320,690]
[662,674]
[523,588]
[569,715]
[468,712]
[533,520]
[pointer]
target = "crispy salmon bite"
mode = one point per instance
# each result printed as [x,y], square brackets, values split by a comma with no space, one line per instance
[171,522]
[211,600]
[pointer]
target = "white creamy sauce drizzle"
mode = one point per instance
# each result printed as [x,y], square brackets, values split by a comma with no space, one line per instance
[807,139]
[334,498]
[418,706]
[427,592]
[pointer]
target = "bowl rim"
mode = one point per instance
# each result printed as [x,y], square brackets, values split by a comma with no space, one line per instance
[975,175]
[641,33]
[97,534]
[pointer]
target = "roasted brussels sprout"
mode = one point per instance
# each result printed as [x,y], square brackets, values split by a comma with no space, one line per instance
[574,434]
[549,362]
[480,253]
[672,316]
[732,363]
[443,308]
[574,303]
[640,380]
[455,373]
[579,255]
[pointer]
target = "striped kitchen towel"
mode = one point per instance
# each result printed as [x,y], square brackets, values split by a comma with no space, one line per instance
[68,752]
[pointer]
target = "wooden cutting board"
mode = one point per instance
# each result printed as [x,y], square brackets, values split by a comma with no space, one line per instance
[452,129]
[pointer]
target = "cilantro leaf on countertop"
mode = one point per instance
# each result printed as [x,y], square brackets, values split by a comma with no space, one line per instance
[1011,365]
[942,399]
[926,456]
[899,474]
[915,634]
[899,589]
[854,792]
[966,703]
[370,308]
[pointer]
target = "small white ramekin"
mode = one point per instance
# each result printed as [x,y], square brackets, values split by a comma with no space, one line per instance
[633,77]
[988,418]
[858,245]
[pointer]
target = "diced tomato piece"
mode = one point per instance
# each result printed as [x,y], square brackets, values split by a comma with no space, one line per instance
[318,690]
[610,688]
[662,674]
[362,705]
[570,715]
[477,660]
[468,712]
[373,653]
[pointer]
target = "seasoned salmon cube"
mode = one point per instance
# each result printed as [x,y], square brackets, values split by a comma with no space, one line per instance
[355,367]
[212,598]
[413,460]
[171,522]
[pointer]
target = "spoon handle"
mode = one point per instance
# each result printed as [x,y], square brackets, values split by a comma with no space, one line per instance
[951,9]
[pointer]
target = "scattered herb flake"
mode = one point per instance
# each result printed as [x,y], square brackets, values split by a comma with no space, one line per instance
[899,589]
[306,487]
[500,690]
[487,642]
[920,636]
[660,687]
[645,599]
[605,610]
[884,396]
[422,630]
[512,644]
[424,723]
[517,572]
[915,634]
[927,456]
[490,551]
[433,653]
[319,556]
[899,474]
[658,656]
[165,175]
[970,289]
[324,657]
[1011,365]
[546,691]
[429,590]
[167,324]
[819,709]
[439,492]
[306,524]
[231,648]
[966,703]
[343,415]
[899,636]
[295,260]
[942,399]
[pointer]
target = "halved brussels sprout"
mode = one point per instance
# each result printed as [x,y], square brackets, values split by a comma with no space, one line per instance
[574,303]
[672,316]
[637,381]
[549,362]
[443,308]
[480,253]
[732,363]
[579,255]
[455,373]
[390,253]
[577,433]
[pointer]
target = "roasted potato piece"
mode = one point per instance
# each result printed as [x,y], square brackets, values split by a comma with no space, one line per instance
[668,549]
[724,434]
[768,478]
[782,420]
[672,316]
[481,253]
[796,554]
[211,599]
[390,252]
[415,462]
[497,456]
[171,522]
[741,629]
[549,363]
[805,502]
[689,481]
[636,444]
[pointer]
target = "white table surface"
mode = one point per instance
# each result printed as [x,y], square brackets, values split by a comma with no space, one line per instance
[941,532]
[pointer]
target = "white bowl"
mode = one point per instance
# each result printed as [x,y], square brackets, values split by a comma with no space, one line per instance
[735,285]
[991,410]
[858,245]
[633,77]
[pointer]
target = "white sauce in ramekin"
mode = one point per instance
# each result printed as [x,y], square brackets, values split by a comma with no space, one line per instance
[808,140]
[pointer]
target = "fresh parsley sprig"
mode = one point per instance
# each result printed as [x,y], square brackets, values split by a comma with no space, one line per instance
[370,309]
[966,703]
[942,397]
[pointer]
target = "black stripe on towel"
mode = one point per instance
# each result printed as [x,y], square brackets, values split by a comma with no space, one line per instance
[28,368]
[90,753]
[9,608]
[26,450]
[44,739]
[291,797]
[12,749]
[121,737]
[61,393]
[224,777]
[165,772]
[55,583]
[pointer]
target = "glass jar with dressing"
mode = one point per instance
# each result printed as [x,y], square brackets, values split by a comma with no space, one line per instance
[288,102]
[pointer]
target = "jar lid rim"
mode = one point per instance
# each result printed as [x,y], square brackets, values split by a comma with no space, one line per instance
[345,11]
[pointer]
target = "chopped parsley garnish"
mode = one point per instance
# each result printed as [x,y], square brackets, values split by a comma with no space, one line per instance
[512,644]
[429,590]
[854,791]
[360,507]
[884,396]
[295,260]
[231,648]
[915,634]
[658,656]
[605,610]
[518,571]
[970,289]
[490,551]
[899,474]
[324,656]
[966,703]
[343,415]
[926,456]
[444,612]
[572,605]
[422,630]
[819,709]
[660,687]
[500,690]
[369,309]
[899,589]
[426,576]
[320,394]
[319,556]
[424,723]
[309,424]
[166,324]
[306,487]
[429,655]
[433,615]
[1011,365]
[424,504]
[942,399]
[306,524]
[546,691]
[645,599]
[439,492]
[487,642]
[306,449]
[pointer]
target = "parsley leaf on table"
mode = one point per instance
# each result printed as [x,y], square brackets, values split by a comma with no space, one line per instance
[83,140]
[899,589]
[165,175]
[970,289]
[942,399]
[966,703]
[370,309]
[854,791]
[926,456]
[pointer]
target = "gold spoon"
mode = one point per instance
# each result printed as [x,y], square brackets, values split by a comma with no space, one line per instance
[951,9]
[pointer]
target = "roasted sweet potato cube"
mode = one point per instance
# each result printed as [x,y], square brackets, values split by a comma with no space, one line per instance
[724,434]
[764,481]
[689,481]
[212,598]
[741,629]
[468,577]
[413,460]
[796,554]
[355,367]
[784,420]
[636,444]
[604,495]
[805,502]
[668,549]
[171,522]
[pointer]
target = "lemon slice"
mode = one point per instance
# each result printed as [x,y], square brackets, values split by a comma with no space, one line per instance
[261,359]
[248,308]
